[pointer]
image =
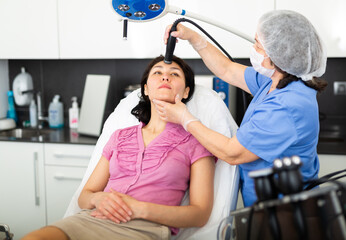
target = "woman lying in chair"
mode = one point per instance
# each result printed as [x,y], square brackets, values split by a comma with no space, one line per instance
[136,189]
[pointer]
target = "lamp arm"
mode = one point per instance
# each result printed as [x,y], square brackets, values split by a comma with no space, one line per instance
[179,11]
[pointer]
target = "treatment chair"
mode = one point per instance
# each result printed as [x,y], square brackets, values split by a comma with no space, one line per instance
[211,110]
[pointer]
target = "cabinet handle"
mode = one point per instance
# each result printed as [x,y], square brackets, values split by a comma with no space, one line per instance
[62,155]
[61,177]
[36,179]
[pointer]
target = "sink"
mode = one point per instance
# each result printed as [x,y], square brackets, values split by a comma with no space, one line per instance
[26,133]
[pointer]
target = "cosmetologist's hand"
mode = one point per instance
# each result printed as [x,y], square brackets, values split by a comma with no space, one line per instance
[182,32]
[175,113]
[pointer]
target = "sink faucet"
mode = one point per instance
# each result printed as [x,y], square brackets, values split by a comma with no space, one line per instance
[40,116]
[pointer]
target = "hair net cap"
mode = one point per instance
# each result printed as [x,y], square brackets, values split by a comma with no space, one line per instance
[292,43]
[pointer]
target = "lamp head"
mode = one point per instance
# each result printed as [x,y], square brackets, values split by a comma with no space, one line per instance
[140,10]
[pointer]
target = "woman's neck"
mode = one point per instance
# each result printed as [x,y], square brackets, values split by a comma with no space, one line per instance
[154,127]
[156,124]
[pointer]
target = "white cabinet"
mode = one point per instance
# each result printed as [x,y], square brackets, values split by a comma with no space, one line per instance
[90,29]
[22,190]
[329,19]
[28,29]
[65,165]
[330,163]
[240,15]
[37,181]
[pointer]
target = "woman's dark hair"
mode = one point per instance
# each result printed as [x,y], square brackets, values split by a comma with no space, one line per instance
[318,84]
[143,110]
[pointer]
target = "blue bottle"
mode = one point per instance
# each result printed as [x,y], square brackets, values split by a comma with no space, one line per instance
[11,112]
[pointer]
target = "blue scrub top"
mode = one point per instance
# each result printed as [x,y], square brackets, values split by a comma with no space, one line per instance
[282,123]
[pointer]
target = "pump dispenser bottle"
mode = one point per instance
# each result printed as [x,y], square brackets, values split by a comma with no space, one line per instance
[74,114]
[56,113]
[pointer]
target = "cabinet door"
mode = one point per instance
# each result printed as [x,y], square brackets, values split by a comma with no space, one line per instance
[65,165]
[239,15]
[22,191]
[61,184]
[74,155]
[328,17]
[29,29]
[91,29]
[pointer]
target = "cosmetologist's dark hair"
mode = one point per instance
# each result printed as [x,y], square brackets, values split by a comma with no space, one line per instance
[316,83]
[143,109]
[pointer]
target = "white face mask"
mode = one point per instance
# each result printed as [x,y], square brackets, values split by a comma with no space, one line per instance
[256,61]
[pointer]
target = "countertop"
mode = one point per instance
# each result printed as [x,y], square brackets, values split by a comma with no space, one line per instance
[64,135]
[332,139]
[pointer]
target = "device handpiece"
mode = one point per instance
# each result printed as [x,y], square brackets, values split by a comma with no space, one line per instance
[170,45]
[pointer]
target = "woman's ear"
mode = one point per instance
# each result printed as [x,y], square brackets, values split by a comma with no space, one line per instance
[146,90]
[186,92]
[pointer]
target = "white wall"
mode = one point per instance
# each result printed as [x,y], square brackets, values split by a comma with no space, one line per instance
[4,87]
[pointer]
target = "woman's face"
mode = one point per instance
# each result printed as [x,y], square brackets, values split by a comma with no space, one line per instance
[165,81]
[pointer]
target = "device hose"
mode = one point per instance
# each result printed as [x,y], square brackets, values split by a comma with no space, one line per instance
[172,40]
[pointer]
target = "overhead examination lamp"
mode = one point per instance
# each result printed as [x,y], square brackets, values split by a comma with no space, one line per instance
[148,10]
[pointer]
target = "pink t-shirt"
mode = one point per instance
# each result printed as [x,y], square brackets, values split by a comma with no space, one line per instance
[158,173]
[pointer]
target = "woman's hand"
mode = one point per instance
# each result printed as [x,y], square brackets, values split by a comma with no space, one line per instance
[111,206]
[175,113]
[133,206]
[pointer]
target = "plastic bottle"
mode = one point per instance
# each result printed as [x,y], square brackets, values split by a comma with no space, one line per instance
[56,113]
[74,114]
[11,112]
[33,114]
[21,83]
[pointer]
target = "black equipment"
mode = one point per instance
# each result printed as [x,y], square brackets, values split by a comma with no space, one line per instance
[5,233]
[285,210]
